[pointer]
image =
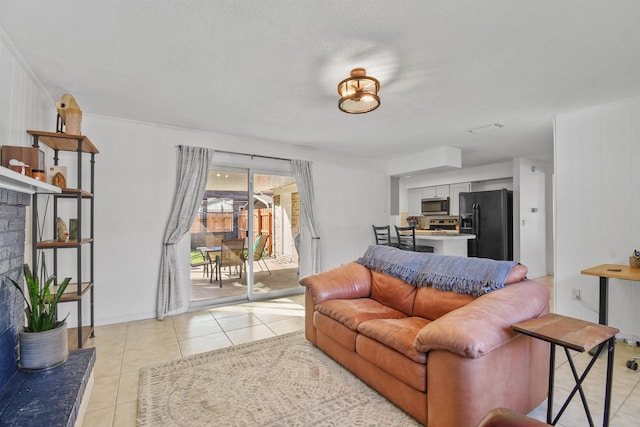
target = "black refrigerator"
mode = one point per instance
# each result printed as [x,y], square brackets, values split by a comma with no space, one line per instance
[488,215]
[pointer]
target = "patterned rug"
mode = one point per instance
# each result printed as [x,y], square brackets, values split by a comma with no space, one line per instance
[281,381]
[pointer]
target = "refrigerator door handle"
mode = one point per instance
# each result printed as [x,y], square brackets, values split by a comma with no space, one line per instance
[476,220]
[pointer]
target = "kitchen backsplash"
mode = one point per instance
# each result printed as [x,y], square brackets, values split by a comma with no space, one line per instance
[423,221]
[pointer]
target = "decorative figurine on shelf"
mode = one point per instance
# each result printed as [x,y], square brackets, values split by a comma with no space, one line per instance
[70,113]
[59,180]
[63,231]
[73,229]
[634,260]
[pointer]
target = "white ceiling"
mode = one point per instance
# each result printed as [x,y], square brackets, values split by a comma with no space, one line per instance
[269,69]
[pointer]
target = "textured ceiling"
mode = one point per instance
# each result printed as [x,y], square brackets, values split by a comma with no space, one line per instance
[269,69]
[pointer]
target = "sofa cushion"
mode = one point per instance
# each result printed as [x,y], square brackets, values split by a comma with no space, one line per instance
[392,292]
[432,303]
[353,312]
[398,334]
[395,364]
[337,331]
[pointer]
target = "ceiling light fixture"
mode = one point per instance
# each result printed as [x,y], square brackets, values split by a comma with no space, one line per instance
[358,93]
[486,128]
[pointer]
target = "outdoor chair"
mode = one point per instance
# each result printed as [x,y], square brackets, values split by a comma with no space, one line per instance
[201,259]
[231,255]
[258,251]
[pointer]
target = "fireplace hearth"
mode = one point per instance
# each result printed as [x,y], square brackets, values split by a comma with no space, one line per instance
[55,397]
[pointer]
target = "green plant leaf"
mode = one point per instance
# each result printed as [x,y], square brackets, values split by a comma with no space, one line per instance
[41,306]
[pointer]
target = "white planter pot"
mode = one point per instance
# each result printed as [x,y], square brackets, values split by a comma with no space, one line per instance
[40,351]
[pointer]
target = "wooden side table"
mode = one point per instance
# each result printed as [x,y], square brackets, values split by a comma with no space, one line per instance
[604,272]
[578,335]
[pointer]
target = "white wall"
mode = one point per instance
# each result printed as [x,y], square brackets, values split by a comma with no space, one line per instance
[135,180]
[529,205]
[23,105]
[597,164]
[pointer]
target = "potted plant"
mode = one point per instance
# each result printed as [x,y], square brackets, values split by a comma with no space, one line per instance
[634,260]
[43,340]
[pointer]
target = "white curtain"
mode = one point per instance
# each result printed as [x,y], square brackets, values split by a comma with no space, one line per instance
[309,246]
[192,169]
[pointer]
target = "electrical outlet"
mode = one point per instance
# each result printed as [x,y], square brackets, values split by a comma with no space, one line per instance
[575,294]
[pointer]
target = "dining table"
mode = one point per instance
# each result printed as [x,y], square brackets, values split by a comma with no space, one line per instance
[211,252]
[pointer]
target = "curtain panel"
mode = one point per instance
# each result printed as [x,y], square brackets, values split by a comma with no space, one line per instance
[192,170]
[309,245]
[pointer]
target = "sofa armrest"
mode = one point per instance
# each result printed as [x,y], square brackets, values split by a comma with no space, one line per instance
[485,323]
[348,281]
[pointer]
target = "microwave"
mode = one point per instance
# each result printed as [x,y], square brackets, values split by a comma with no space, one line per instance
[438,206]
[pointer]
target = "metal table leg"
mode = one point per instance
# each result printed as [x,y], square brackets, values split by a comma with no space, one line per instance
[604,301]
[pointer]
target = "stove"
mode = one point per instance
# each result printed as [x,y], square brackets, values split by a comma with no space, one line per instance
[443,224]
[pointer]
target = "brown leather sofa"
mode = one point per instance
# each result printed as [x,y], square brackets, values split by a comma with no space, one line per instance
[505,417]
[445,358]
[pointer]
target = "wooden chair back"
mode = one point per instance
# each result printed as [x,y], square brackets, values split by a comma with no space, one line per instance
[382,234]
[232,253]
[406,238]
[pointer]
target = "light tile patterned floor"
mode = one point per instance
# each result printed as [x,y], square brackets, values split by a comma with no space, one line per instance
[123,349]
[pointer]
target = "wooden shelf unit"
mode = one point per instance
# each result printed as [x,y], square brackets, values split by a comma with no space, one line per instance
[72,293]
[83,147]
[64,142]
[72,192]
[84,333]
[46,244]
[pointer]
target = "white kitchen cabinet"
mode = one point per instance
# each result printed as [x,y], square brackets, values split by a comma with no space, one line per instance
[429,192]
[442,191]
[415,201]
[454,200]
[435,191]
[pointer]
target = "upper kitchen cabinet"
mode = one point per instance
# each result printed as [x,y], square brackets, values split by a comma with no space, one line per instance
[435,192]
[415,201]
[454,201]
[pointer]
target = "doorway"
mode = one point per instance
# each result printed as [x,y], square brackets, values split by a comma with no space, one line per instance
[261,209]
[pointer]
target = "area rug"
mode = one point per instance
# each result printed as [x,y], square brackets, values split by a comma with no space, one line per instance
[281,381]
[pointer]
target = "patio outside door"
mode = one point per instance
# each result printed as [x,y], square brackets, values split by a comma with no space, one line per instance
[261,209]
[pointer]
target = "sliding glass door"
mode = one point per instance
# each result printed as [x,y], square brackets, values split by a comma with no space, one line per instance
[276,223]
[243,240]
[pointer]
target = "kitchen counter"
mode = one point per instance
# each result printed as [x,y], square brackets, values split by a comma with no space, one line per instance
[443,233]
[444,242]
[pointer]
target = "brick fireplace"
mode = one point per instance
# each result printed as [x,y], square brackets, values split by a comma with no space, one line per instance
[60,395]
[12,237]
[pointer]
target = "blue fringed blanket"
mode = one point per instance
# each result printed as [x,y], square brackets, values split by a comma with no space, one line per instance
[473,276]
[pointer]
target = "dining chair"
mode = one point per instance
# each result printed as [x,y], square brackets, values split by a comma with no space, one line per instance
[212,240]
[231,255]
[212,247]
[407,240]
[383,235]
